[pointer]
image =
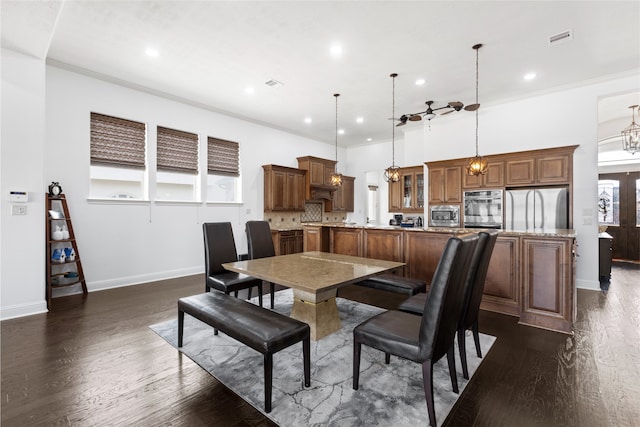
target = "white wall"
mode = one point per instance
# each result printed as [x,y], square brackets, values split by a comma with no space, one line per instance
[567,117]
[22,237]
[119,243]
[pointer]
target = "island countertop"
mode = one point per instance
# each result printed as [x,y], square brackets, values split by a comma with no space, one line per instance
[544,232]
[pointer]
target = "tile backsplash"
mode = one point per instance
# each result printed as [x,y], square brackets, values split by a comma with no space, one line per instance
[313,213]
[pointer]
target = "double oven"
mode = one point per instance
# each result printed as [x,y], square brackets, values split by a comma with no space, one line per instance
[481,209]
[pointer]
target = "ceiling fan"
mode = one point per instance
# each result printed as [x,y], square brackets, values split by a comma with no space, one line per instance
[429,113]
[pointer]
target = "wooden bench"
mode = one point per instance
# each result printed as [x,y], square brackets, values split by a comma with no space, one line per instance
[394,283]
[263,330]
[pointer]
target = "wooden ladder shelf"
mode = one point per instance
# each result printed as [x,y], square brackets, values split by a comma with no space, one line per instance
[64,267]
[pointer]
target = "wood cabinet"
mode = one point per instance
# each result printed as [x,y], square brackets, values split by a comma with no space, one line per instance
[502,285]
[542,167]
[407,195]
[318,174]
[520,172]
[445,184]
[283,188]
[553,169]
[547,283]
[315,238]
[345,241]
[343,196]
[422,253]
[384,244]
[287,242]
[494,178]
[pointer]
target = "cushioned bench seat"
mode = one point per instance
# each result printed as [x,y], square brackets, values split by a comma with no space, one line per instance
[263,330]
[395,283]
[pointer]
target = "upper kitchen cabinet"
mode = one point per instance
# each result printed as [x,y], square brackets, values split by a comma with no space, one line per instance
[284,188]
[318,180]
[407,195]
[444,183]
[540,167]
[343,196]
[494,178]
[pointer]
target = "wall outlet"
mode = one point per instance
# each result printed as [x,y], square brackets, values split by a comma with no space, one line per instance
[18,209]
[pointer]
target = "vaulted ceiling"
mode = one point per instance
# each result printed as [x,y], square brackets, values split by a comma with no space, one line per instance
[210,52]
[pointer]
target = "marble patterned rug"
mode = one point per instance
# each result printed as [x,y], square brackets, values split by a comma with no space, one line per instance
[389,395]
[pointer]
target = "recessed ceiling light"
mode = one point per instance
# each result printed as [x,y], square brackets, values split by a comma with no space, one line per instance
[336,50]
[151,52]
[420,82]
[249,90]
[369,139]
[359,119]
[307,119]
[341,131]
[530,76]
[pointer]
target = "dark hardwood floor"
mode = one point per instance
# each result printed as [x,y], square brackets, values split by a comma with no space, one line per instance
[95,362]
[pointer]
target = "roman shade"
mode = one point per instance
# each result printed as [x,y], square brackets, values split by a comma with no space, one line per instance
[117,142]
[223,157]
[177,151]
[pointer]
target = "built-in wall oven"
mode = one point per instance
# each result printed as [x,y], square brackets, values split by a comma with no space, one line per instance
[483,208]
[444,216]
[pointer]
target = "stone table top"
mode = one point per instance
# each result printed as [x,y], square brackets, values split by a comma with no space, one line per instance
[313,272]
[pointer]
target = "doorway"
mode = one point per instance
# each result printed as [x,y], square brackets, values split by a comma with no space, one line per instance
[619,211]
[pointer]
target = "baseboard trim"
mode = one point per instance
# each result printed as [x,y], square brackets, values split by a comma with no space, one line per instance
[39,307]
[592,285]
[22,310]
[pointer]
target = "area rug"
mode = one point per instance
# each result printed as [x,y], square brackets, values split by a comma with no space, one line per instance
[389,395]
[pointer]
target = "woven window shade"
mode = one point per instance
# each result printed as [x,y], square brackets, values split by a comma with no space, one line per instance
[177,151]
[117,142]
[223,157]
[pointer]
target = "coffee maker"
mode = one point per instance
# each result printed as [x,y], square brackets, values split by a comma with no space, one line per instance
[396,220]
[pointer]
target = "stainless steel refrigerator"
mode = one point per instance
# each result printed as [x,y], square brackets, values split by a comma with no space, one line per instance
[536,208]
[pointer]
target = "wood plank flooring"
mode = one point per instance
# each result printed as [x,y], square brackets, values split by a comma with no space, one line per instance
[95,362]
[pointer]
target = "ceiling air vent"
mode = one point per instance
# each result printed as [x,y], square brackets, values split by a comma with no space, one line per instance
[560,37]
[274,83]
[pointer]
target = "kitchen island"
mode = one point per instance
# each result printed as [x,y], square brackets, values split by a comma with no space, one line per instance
[531,273]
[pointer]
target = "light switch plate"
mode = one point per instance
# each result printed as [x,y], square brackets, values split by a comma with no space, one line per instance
[18,209]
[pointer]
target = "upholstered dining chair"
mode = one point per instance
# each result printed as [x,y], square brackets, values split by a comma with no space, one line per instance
[260,244]
[423,339]
[220,248]
[474,287]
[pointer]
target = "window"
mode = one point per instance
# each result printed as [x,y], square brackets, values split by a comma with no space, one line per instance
[177,165]
[223,171]
[608,202]
[118,153]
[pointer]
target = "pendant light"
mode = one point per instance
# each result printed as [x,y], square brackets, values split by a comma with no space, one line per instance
[392,173]
[631,134]
[476,165]
[336,177]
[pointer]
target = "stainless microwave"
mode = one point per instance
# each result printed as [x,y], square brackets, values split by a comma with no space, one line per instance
[444,216]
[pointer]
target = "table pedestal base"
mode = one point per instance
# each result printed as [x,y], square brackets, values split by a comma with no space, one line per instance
[320,312]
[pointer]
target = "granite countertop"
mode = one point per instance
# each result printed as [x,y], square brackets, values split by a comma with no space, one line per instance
[287,227]
[450,230]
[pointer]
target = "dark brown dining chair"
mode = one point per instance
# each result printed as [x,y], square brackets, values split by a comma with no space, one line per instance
[220,248]
[474,287]
[423,339]
[260,244]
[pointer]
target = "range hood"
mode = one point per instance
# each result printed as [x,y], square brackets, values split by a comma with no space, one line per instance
[322,192]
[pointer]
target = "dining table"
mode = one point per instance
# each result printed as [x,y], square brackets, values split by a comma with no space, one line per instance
[314,278]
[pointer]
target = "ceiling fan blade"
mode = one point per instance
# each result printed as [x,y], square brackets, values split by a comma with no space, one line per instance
[456,105]
[415,118]
[447,112]
[472,107]
[401,124]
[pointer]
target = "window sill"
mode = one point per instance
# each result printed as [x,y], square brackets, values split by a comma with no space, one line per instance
[114,201]
[225,203]
[177,202]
